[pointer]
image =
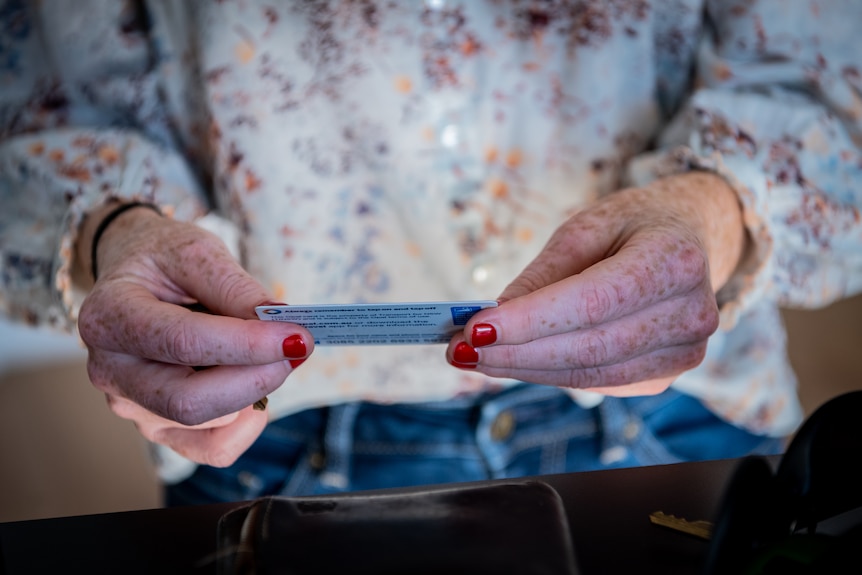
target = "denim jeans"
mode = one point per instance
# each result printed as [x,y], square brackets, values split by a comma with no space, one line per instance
[524,430]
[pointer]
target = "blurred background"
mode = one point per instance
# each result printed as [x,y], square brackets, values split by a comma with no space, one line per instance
[62,451]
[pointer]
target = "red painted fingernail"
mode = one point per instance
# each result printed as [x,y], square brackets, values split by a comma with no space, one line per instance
[462,365]
[293,347]
[294,363]
[483,334]
[273,303]
[463,353]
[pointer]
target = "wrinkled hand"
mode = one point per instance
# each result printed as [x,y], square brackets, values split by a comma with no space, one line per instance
[622,298]
[146,349]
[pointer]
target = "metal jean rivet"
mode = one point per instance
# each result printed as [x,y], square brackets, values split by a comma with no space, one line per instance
[503,426]
[317,460]
[631,430]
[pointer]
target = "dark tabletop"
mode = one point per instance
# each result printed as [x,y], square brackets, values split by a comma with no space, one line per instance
[608,514]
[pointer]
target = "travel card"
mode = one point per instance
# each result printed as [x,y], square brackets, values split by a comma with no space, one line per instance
[378,323]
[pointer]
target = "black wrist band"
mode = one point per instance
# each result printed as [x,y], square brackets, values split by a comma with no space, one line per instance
[106,221]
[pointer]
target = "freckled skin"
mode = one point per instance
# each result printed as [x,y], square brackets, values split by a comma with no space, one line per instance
[146,348]
[630,283]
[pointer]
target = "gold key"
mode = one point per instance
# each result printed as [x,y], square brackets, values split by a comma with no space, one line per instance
[701,529]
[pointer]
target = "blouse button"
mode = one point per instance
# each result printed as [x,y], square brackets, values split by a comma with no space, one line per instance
[449,136]
[481,273]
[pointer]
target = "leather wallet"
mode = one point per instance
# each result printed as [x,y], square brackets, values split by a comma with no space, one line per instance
[496,528]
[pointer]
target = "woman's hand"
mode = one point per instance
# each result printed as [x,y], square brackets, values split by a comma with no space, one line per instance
[622,298]
[187,379]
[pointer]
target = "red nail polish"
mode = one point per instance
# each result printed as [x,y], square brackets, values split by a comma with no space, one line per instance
[483,334]
[293,347]
[273,303]
[463,353]
[294,363]
[462,365]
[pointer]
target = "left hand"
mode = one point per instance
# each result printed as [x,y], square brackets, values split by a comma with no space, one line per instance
[622,298]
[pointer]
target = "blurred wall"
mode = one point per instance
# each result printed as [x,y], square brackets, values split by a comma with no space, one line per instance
[62,451]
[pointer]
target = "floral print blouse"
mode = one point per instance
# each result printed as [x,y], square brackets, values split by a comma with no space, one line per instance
[381,150]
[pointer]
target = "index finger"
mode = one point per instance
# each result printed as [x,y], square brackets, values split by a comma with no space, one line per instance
[634,278]
[142,326]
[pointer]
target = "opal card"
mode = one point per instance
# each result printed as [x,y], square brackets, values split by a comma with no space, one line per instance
[378,323]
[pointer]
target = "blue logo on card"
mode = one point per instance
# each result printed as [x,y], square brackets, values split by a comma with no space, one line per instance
[461,314]
[272,311]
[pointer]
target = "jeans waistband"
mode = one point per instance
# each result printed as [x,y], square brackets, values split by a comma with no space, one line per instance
[497,427]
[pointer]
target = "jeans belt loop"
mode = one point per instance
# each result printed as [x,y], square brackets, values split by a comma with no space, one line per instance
[338,445]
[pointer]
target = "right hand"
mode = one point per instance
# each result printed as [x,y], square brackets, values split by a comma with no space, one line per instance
[146,349]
